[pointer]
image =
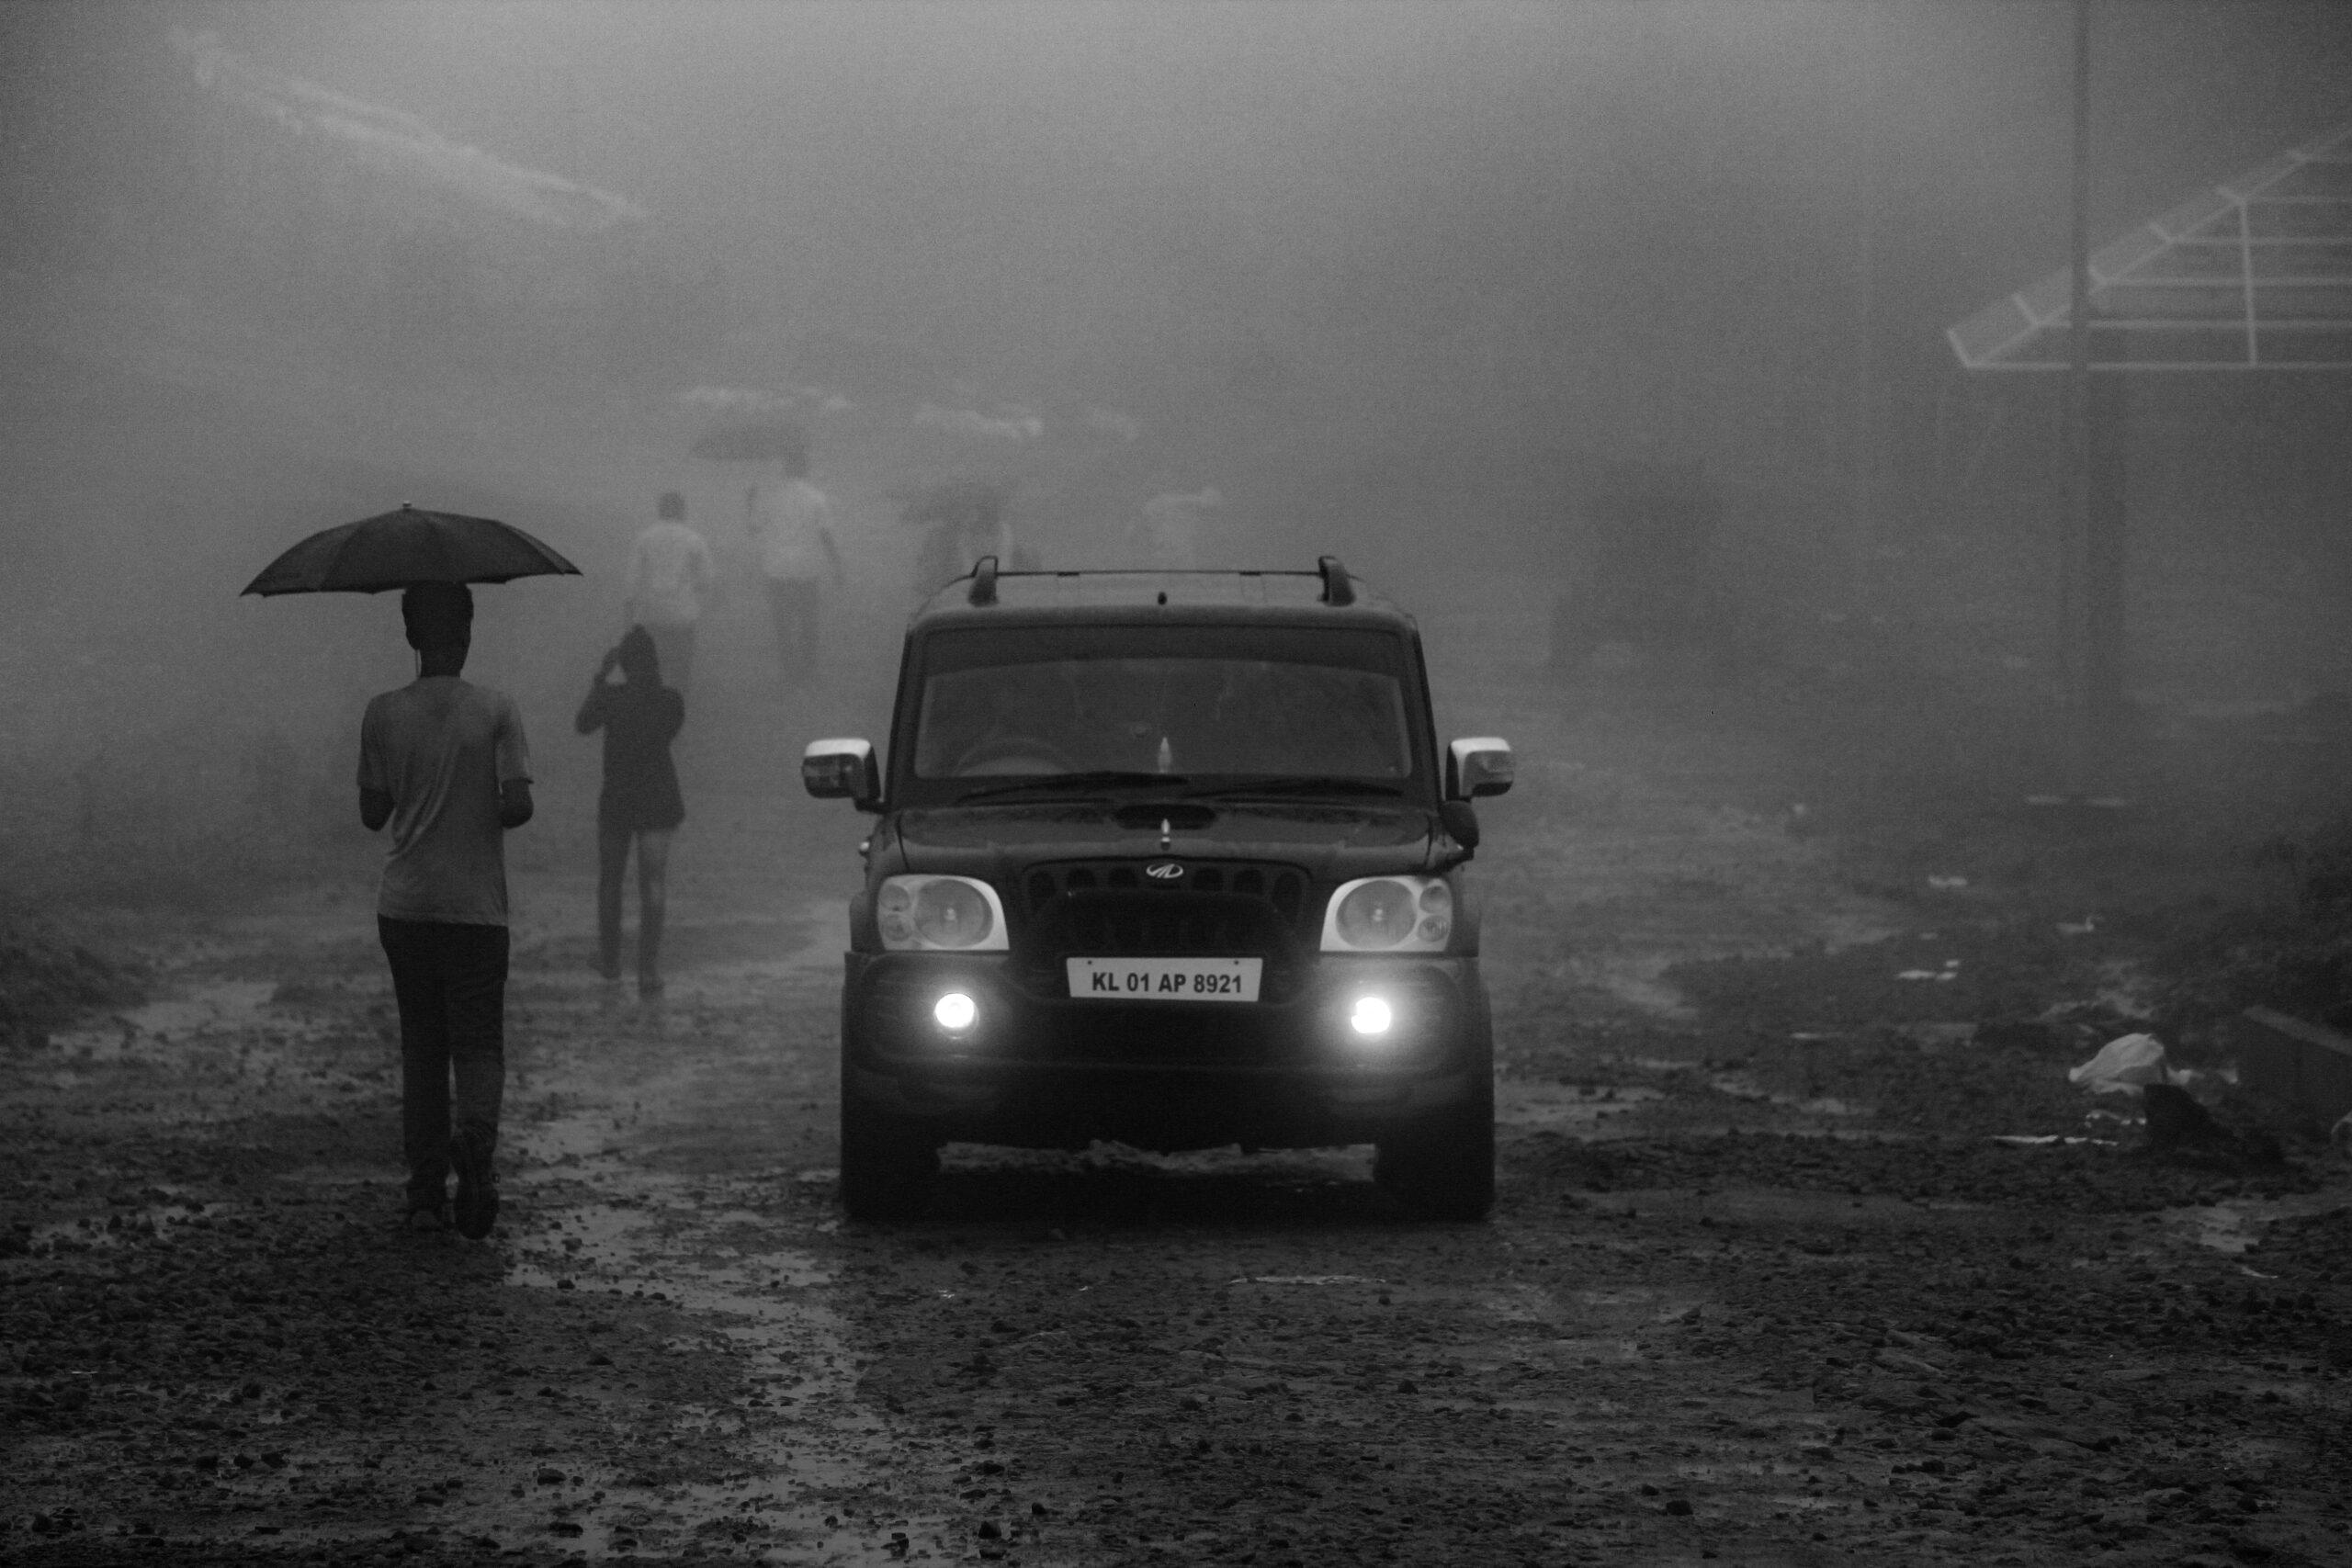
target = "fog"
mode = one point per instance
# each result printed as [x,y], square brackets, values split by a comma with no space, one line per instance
[1412,284]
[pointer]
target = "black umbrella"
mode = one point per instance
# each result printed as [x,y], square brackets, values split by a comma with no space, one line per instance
[400,547]
[766,441]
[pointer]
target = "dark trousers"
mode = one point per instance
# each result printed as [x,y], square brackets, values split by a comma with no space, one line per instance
[674,647]
[793,602]
[450,983]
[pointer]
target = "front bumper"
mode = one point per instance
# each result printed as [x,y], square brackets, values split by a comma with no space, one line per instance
[1048,1070]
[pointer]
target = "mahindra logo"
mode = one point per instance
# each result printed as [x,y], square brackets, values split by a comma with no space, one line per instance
[1164,870]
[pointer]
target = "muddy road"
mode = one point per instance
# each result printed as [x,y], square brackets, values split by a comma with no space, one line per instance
[1764,1285]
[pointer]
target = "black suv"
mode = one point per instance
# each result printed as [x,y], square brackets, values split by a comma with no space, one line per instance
[1168,858]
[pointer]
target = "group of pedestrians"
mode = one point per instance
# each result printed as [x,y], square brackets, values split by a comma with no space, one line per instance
[445,765]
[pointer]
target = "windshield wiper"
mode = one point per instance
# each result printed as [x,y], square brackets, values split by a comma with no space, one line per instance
[1289,786]
[1104,778]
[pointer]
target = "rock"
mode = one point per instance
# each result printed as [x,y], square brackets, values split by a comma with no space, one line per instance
[2176,1121]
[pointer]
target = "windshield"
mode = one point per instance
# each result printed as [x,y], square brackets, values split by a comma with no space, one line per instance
[1055,702]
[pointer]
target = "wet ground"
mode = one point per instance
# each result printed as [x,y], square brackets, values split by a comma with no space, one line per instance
[1805,1249]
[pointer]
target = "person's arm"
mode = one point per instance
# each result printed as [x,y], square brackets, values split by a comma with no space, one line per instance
[673,713]
[513,754]
[833,553]
[591,713]
[375,801]
[513,802]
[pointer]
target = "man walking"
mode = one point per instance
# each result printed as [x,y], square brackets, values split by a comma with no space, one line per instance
[670,585]
[446,763]
[792,522]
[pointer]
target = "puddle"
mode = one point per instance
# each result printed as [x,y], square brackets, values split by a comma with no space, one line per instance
[1739,1086]
[225,1007]
[2234,1226]
[1565,1105]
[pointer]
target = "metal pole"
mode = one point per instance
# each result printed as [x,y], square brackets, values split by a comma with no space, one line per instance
[1862,531]
[2074,559]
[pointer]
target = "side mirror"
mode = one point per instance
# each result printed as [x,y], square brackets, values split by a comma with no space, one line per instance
[1461,823]
[1478,766]
[842,770]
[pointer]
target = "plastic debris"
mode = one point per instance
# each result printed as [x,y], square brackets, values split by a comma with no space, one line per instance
[2126,1061]
[2340,1136]
[2043,1140]
[1947,884]
[1951,971]
[2083,927]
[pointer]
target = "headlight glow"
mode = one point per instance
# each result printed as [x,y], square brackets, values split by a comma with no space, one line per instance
[1389,914]
[955,1013]
[1372,1016]
[956,914]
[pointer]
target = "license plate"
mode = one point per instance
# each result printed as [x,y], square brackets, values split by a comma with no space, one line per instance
[1165,979]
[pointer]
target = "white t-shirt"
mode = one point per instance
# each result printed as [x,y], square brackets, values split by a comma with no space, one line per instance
[792,522]
[441,748]
[670,576]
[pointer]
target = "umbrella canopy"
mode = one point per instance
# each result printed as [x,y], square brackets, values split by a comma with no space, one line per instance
[768,441]
[400,547]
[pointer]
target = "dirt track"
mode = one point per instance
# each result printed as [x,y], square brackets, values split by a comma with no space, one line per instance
[1761,1287]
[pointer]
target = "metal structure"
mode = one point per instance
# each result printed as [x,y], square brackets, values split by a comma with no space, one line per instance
[2253,275]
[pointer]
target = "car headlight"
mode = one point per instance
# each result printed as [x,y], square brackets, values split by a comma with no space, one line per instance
[954,914]
[1389,914]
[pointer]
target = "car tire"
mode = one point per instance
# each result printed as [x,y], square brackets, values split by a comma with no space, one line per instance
[889,1165]
[1445,1168]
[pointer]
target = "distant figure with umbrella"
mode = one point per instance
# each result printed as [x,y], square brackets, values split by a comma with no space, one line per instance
[791,521]
[639,805]
[963,520]
[445,764]
[670,585]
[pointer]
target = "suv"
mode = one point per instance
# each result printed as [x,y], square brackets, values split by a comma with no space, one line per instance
[1168,858]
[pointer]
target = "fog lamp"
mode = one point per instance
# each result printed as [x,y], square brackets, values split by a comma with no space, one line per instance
[1370,1017]
[955,1013]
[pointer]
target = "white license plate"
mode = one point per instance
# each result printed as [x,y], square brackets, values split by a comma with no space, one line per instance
[1165,979]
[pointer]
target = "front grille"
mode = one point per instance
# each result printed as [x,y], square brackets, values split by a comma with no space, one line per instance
[1283,886]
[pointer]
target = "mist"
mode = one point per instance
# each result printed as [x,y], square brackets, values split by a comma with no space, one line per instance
[1411,284]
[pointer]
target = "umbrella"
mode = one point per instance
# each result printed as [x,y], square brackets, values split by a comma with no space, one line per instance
[398,548]
[767,441]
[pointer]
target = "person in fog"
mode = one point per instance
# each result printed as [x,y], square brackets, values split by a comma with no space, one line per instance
[446,763]
[1168,532]
[965,523]
[670,585]
[640,804]
[791,523]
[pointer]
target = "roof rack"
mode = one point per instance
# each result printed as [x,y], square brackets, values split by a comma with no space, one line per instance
[1338,587]
[984,580]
